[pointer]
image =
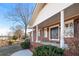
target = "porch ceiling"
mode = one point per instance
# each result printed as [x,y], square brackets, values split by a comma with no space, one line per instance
[71,12]
[49,10]
[51,21]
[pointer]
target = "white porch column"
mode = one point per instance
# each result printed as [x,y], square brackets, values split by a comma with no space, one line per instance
[62,29]
[37,33]
[32,34]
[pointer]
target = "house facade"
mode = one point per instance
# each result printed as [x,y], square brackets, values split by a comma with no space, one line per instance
[54,24]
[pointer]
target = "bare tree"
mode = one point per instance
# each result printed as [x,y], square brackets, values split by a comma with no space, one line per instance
[21,14]
[17,32]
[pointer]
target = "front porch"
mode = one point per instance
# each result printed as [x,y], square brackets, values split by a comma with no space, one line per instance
[58,29]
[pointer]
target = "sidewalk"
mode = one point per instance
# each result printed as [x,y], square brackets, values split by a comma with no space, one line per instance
[26,52]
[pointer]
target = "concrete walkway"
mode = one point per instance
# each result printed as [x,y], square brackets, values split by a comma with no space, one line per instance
[25,52]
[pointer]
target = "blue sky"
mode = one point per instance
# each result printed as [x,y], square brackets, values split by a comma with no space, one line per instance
[5,23]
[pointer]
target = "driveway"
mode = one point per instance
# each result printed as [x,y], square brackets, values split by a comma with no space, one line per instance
[7,51]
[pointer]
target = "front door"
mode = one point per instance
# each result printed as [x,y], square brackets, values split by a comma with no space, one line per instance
[76,28]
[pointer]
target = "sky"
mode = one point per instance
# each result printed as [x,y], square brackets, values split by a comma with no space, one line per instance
[5,23]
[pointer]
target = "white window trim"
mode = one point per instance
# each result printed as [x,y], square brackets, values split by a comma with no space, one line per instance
[32,34]
[67,22]
[46,32]
[58,33]
[39,33]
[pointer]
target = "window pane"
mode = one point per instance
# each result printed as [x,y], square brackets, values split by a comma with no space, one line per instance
[54,33]
[39,33]
[69,31]
[45,32]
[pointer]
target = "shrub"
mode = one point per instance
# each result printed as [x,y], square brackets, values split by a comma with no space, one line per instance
[48,50]
[73,47]
[25,45]
[14,38]
[10,42]
[27,40]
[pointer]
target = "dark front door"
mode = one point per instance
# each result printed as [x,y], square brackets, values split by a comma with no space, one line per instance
[76,28]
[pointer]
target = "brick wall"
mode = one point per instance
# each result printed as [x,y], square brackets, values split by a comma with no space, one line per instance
[34,35]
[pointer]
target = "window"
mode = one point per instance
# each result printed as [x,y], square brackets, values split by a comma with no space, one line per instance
[39,33]
[45,32]
[54,33]
[69,29]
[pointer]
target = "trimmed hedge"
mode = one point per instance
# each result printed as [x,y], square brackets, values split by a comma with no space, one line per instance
[48,50]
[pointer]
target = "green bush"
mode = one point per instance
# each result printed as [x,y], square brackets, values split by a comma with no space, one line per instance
[25,45]
[14,38]
[10,42]
[27,40]
[48,50]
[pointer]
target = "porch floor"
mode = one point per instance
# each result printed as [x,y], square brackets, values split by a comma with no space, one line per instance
[47,43]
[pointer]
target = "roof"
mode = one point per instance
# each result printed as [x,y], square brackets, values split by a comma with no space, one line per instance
[36,11]
[44,11]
